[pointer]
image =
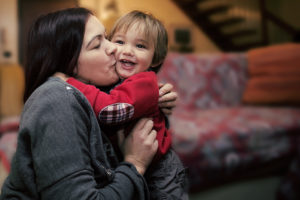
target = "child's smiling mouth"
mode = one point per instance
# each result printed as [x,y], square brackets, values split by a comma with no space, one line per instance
[127,64]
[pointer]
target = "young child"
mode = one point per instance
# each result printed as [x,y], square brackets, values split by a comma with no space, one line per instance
[142,47]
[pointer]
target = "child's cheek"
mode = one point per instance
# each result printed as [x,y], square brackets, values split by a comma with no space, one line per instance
[119,50]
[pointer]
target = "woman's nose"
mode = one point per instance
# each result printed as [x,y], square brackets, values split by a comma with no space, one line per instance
[111,48]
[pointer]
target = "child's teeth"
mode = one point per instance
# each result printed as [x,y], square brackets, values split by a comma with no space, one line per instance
[127,62]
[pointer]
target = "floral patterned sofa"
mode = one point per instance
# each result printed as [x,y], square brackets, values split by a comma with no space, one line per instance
[221,135]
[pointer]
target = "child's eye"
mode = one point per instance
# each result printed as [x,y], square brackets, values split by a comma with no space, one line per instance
[119,42]
[141,46]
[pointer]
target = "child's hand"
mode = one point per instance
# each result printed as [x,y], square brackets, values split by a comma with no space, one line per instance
[62,76]
[167,98]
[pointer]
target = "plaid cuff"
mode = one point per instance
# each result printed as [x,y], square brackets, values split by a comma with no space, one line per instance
[117,113]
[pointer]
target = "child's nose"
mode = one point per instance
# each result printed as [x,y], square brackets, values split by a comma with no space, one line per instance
[127,50]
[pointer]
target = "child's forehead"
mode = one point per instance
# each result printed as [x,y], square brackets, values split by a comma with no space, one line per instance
[139,27]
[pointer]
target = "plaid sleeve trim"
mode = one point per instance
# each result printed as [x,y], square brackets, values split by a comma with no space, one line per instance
[116,113]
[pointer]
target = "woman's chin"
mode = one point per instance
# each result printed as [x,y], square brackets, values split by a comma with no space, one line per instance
[107,82]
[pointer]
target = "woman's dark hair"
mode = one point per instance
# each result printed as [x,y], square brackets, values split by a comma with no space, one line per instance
[53,45]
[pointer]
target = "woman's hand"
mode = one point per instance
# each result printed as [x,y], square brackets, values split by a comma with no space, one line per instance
[62,76]
[140,145]
[167,98]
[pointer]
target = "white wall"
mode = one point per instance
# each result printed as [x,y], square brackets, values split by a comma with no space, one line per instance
[8,31]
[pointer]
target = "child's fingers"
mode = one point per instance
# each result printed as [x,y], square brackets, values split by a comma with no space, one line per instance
[169,97]
[167,111]
[165,88]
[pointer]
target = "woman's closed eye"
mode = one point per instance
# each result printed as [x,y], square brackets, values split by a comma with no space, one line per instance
[95,43]
[97,46]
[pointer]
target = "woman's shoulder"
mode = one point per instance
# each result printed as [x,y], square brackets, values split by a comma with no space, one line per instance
[55,95]
[55,90]
[54,100]
[54,86]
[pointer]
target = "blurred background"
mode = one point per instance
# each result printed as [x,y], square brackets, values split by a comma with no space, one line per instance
[236,67]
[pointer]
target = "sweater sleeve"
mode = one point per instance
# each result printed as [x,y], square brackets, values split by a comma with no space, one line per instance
[137,96]
[58,130]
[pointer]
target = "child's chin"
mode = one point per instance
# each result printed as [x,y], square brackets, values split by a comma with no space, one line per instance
[124,75]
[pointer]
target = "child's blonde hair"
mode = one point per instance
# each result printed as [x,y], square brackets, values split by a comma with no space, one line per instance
[153,30]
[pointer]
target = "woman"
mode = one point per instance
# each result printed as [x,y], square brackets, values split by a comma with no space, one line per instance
[60,152]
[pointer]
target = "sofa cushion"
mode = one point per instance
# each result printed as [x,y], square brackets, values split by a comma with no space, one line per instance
[280,59]
[222,142]
[280,90]
[274,75]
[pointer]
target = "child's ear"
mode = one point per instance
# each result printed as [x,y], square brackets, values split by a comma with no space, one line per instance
[155,65]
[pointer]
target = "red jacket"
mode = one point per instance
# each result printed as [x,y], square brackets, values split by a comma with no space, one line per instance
[135,97]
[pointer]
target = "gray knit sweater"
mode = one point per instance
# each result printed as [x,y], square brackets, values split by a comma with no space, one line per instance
[61,153]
